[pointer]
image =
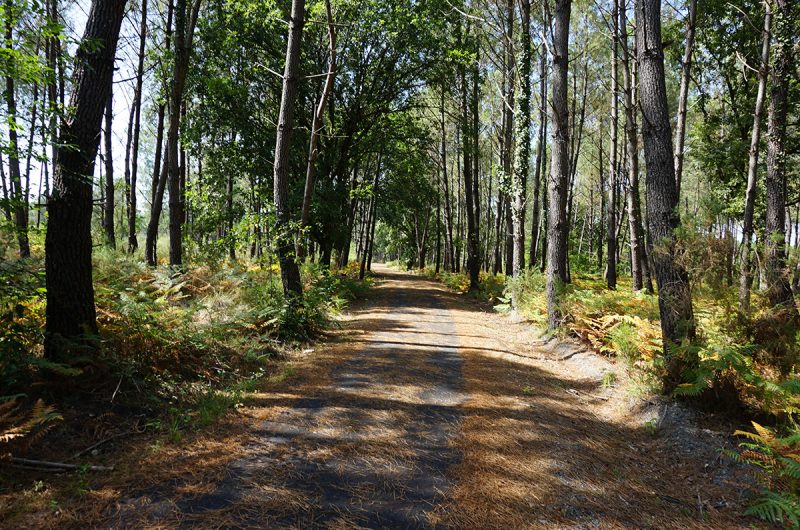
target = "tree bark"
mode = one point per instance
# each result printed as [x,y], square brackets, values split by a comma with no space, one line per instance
[556,274]
[71,320]
[779,291]
[290,273]
[746,265]
[674,293]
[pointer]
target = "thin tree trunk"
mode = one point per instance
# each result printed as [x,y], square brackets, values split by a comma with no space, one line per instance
[601,223]
[71,319]
[537,180]
[108,209]
[448,211]
[632,137]
[674,293]
[466,139]
[683,96]
[290,273]
[746,265]
[611,217]
[159,165]
[133,243]
[559,166]
[185,22]
[6,196]
[316,129]
[19,198]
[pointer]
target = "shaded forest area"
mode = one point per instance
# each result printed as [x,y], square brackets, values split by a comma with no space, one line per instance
[191,189]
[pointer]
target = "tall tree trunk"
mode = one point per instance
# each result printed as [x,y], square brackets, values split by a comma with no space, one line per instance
[746,264]
[779,291]
[466,138]
[159,165]
[135,128]
[316,129]
[71,320]
[674,294]
[448,211]
[613,169]
[601,223]
[476,157]
[185,22]
[20,199]
[559,166]
[632,136]
[523,151]
[537,179]
[683,96]
[290,273]
[108,209]
[508,137]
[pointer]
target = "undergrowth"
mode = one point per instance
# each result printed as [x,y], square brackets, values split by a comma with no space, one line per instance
[189,342]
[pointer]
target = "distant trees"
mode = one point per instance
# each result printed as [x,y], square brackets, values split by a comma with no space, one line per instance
[404,130]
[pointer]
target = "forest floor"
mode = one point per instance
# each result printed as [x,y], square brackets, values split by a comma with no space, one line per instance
[427,410]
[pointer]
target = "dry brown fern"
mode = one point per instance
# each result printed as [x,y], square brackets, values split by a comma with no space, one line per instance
[24,426]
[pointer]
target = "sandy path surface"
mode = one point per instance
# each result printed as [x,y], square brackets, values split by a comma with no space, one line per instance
[428,412]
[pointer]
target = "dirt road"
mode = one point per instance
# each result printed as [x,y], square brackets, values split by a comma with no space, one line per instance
[427,411]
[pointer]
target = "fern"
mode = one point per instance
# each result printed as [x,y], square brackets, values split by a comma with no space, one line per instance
[778,458]
[777,508]
[24,426]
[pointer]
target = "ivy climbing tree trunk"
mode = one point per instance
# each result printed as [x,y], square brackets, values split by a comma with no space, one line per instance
[290,273]
[674,294]
[71,319]
[779,290]
[523,150]
[556,274]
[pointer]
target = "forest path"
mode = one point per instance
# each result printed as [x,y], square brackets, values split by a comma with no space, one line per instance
[427,412]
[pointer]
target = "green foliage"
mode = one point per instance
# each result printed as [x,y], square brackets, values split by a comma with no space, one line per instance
[761,389]
[778,460]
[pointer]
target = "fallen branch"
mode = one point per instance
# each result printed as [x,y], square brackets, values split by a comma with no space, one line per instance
[57,465]
[98,444]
